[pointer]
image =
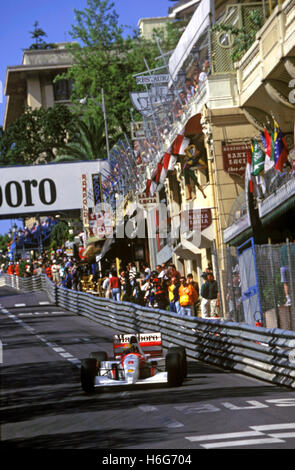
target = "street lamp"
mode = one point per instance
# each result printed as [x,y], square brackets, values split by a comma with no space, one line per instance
[83,102]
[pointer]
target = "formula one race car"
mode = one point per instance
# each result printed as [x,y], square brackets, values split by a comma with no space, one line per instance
[137,359]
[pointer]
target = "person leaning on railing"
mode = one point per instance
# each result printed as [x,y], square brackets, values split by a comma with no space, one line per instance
[210,296]
[187,297]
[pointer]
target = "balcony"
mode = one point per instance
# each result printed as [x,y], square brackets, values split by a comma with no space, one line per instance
[265,71]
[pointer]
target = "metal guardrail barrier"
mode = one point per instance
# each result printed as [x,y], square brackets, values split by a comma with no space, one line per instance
[265,353]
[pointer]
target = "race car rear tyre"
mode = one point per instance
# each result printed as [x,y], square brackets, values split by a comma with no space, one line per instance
[88,373]
[174,368]
[182,351]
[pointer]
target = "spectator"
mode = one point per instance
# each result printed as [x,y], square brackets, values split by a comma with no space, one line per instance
[172,272]
[55,272]
[75,277]
[195,285]
[210,296]
[160,296]
[106,286]
[173,290]
[131,272]
[114,284]
[67,279]
[187,297]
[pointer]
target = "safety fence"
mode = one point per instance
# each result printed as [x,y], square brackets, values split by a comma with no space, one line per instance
[264,353]
[275,274]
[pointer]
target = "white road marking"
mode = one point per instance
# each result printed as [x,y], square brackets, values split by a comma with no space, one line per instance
[283,435]
[19,305]
[273,427]
[248,442]
[44,303]
[229,435]
[53,346]
[231,439]
[66,355]
[172,423]
[58,350]
[253,405]
[147,408]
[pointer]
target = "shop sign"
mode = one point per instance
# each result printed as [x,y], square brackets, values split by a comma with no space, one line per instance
[100,224]
[145,201]
[196,219]
[235,158]
[152,79]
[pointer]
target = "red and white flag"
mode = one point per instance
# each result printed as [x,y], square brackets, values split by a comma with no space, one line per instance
[169,161]
[150,188]
[180,144]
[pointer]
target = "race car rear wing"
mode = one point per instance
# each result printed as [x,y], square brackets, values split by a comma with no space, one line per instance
[150,343]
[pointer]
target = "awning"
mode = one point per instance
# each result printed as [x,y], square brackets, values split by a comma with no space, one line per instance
[196,27]
[184,253]
[106,247]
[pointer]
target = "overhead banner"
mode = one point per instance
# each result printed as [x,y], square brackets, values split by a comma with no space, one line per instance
[194,30]
[37,189]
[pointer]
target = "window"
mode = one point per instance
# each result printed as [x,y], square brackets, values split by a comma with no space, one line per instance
[62,90]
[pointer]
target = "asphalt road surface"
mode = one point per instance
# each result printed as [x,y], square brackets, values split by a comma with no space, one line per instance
[44,407]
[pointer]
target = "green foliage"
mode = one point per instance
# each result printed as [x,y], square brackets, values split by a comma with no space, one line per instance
[243,37]
[4,240]
[87,143]
[105,59]
[59,235]
[36,135]
[38,34]
[22,268]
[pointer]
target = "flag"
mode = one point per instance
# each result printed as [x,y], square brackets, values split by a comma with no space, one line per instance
[281,150]
[169,161]
[179,144]
[268,145]
[258,157]
[249,179]
[150,188]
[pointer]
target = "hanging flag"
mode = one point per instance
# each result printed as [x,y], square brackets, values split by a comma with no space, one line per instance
[281,150]
[166,160]
[248,176]
[150,188]
[158,172]
[268,145]
[169,161]
[179,144]
[258,157]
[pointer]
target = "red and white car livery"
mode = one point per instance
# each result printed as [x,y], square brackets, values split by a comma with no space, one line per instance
[138,358]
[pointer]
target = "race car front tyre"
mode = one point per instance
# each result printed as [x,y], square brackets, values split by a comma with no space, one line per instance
[88,373]
[182,351]
[174,368]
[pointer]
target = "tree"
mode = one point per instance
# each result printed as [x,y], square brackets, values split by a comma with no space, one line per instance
[38,34]
[36,135]
[104,58]
[59,235]
[87,143]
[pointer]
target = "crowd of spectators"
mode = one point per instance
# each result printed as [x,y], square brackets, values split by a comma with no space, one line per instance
[163,288]
[30,236]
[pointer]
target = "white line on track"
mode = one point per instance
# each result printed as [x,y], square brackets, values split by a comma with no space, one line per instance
[61,351]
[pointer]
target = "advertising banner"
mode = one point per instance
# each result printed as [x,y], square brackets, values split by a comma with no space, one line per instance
[47,188]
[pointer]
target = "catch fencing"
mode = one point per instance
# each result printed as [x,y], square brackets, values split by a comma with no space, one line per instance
[264,353]
[275,265]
